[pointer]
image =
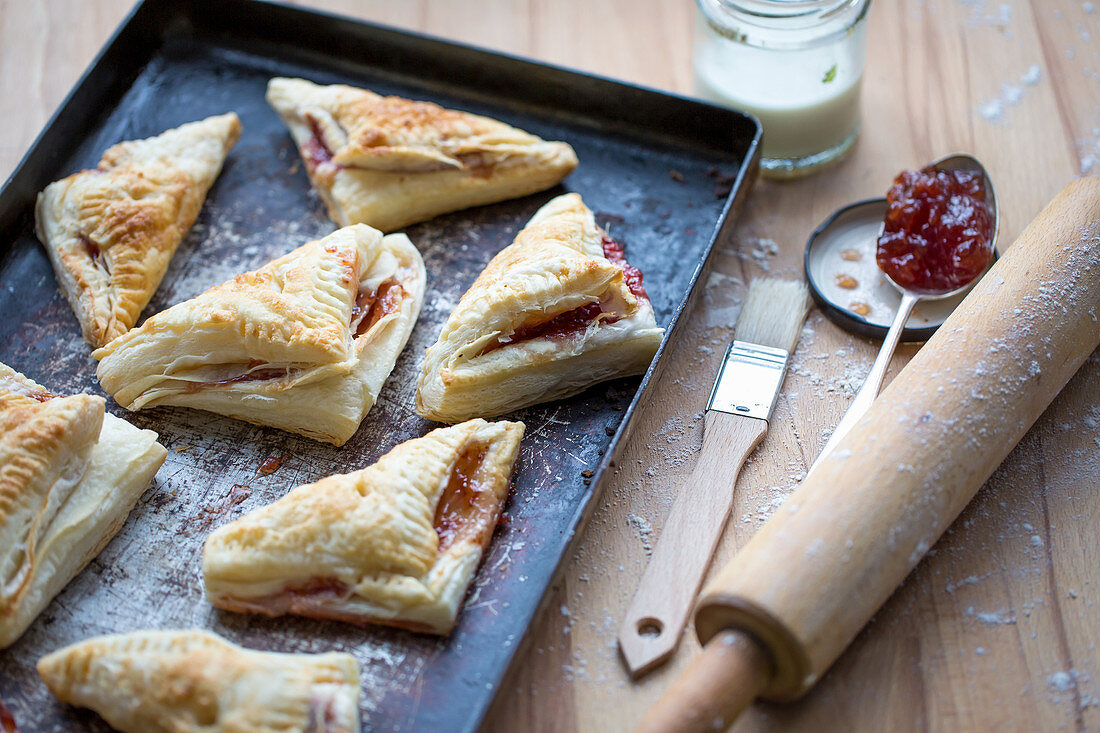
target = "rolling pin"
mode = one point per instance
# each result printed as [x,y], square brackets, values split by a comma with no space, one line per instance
[786,605]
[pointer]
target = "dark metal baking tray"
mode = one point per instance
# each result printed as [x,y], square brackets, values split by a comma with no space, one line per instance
[664,173]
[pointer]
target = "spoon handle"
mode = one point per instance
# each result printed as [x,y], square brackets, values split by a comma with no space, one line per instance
[871,386]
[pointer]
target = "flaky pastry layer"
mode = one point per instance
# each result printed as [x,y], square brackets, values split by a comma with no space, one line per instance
[482,365]
[390,162]
[196,682]
[111,232]
[69,476]
[288,345]
[396,543]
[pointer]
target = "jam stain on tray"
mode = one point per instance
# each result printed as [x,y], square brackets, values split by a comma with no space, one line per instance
[209,514]
[270,465]
[7,720]
[938,231]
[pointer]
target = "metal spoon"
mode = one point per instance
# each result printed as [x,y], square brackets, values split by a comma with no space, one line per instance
[909,299]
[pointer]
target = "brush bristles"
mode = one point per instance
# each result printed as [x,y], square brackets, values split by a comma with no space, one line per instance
[773,313]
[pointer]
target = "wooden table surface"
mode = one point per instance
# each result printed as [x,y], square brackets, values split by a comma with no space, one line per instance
[997,627]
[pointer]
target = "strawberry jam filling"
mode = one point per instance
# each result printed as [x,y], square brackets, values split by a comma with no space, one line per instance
[315,597]
[562,326]
[568,324]
[315,587]
[613,251]
[316,154]
[94,252]
[254,375]
[91,248]
[372,306]
[369,308]
[466,510]
[325,712]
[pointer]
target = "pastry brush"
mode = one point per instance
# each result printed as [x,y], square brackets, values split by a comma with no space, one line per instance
[735,421]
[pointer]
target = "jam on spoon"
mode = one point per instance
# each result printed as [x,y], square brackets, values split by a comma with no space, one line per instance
[937,238]
[938,231]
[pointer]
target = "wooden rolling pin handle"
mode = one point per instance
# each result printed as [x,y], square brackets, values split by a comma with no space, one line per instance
[719,683]
[655,621]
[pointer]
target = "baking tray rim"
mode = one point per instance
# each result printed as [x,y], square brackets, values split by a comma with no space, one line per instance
[148,43]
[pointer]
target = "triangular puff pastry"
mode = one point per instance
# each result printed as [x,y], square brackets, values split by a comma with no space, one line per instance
[196,682]
[303,344]
[553,313]
[389,161]
[395,543]
[110,232]
[69,475]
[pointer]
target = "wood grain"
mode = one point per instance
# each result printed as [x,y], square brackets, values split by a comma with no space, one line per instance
[1024,552]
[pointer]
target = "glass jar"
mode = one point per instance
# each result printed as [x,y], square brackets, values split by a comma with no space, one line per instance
[795,64]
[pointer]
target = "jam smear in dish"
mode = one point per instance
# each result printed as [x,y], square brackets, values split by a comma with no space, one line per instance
[465,510]
[371,307]
[938,231]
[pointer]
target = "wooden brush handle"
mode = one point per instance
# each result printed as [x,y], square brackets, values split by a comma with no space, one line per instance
[809,580]
[655,621]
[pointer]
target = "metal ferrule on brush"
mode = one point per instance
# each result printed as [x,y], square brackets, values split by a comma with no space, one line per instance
[749,380]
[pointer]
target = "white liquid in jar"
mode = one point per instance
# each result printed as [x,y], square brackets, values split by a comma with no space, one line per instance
[807,99]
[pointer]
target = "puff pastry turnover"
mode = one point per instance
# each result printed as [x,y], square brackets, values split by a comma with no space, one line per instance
[553,313]
[196,682]
[395,543]
[69,475]
[110,232]
[389,161]
[303,344]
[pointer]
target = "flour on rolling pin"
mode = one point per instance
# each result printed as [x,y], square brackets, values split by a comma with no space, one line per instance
[810,579]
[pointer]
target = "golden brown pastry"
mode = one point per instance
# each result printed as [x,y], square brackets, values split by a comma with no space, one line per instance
[69,475]
[395,543]
[196,682]
[390,162]
[553,313]
[303,344]
[110,232]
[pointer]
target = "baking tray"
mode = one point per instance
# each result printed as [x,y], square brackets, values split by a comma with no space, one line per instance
[665,175]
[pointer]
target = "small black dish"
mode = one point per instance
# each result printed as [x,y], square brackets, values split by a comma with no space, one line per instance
[844,245]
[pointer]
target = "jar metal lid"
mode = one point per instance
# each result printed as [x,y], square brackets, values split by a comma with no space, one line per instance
[768,22]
